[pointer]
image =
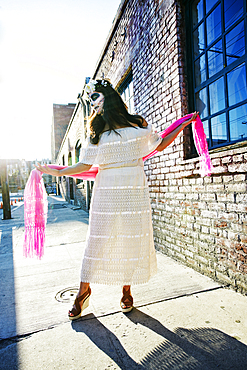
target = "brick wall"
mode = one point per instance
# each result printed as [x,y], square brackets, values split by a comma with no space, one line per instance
[202,221]
[199,221]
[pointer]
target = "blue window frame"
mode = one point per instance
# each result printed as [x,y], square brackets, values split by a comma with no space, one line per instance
[127,92]
[218,59]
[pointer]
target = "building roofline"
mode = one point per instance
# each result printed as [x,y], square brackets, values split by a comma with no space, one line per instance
[115,24]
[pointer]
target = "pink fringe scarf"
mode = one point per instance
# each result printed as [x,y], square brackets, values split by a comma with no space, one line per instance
[35,198]
[35,215]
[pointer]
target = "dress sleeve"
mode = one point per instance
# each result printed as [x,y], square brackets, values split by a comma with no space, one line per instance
[131,144]
[89,153]
[151,141]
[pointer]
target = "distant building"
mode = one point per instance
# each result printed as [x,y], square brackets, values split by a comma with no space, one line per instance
[75,191]
[18,172]
[60,121]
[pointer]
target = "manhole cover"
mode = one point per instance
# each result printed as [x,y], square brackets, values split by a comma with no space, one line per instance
[67,295]
[57,206]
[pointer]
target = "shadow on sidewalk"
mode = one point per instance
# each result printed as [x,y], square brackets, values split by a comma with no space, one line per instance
[194,349]
[199,348]
[106,341]
[7,296]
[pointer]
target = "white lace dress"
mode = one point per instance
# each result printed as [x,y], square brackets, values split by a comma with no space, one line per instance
[119,245]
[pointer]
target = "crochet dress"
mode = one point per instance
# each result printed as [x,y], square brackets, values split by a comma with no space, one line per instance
[119,244]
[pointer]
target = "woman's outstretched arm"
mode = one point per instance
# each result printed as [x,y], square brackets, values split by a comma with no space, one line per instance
[172,136]
[70,170]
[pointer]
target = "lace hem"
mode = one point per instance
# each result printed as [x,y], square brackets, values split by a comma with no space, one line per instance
[100,271]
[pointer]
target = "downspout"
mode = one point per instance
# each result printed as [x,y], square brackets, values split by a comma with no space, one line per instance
[83,101]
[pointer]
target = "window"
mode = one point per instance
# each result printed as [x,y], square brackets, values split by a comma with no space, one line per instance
[70,159]
[77,151]
[219,63]
[63,161]
[127,93]
[77,158]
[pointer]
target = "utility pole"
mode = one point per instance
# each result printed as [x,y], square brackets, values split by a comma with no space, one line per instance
[5,190]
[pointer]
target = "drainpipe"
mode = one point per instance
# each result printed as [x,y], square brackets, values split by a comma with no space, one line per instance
[84,102]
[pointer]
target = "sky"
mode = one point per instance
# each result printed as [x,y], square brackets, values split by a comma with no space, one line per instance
[47,48]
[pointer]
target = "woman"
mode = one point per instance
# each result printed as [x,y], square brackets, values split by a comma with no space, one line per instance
[119,246]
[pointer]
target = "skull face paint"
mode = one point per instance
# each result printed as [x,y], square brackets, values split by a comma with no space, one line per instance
[97,101]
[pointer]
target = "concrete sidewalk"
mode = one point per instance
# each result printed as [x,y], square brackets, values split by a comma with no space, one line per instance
[181,320]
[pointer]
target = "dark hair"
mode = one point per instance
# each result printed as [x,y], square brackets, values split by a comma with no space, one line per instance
[114,113]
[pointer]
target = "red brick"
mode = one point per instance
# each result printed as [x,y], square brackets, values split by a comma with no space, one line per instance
[218,223]
[243,238]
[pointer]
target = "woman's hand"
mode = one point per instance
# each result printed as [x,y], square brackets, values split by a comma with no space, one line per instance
[188,121]
[47,170]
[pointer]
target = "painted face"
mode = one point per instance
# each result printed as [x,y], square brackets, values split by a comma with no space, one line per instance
[97,101]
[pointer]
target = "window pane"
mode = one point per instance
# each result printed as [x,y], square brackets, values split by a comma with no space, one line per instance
[215,58]
[217,95]
[200,70]
[236,81]
[213,24]
[131,103]
[70,159]
[235,43]
[210,4]
[206,130]
[233,11]
[202,103]
[77,154]
[123,96]
[238,123]
[197,11]
[218,128]
[127,93]
[131,88]
[198,39]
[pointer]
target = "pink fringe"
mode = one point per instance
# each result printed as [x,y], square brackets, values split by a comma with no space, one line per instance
[35,198]
[34,242]
[35,215]
[206,167]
